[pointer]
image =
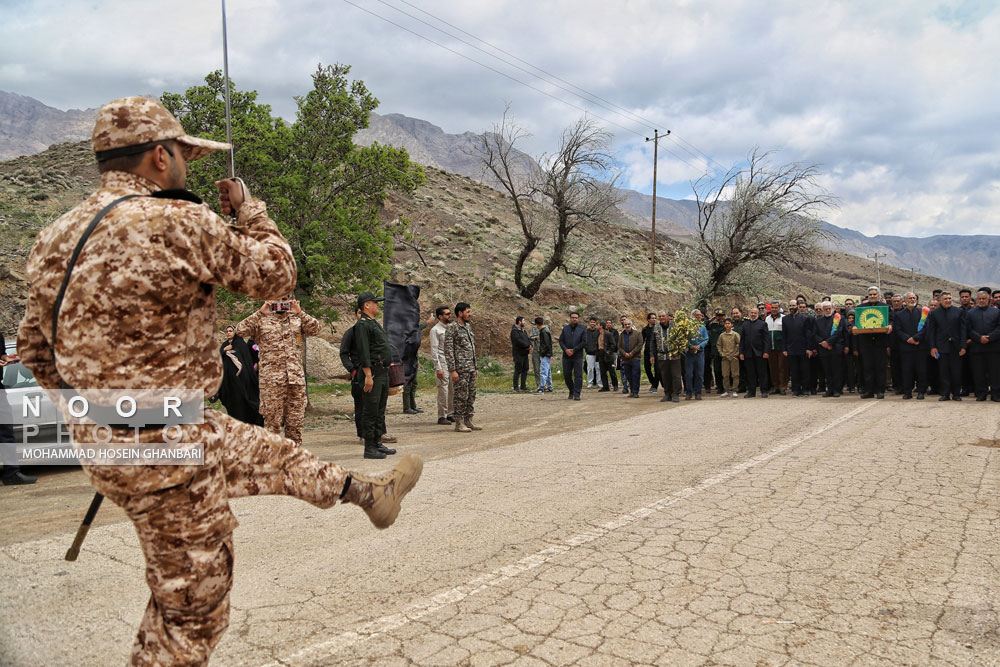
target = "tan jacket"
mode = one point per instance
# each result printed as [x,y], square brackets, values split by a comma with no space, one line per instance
[139,311]
[634,347]
[729,345]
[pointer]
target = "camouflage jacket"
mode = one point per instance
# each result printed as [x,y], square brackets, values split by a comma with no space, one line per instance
[279,338]
[460,347]
[139,311]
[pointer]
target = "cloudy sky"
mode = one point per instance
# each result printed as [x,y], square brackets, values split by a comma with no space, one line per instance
[898,101]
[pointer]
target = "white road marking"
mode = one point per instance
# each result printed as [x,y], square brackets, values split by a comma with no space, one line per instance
[419,610]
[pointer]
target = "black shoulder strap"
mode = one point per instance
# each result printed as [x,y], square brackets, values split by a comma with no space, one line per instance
[72,262]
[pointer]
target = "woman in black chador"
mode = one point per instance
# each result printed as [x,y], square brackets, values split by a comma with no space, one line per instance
[239,392]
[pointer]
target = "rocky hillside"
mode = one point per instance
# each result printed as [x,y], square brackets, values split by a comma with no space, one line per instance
[967,259]
[27,126]
[465,241]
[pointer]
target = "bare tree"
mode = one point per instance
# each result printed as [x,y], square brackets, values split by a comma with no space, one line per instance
[761,215]
[568,184]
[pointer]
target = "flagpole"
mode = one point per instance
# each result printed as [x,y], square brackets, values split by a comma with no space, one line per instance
[225,66]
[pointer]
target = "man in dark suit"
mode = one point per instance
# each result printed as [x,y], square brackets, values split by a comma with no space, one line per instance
[797,331]
[520,345]
[755,347]
[828,341]
[912,343]
[966,303]
[572,340]
[983,322]
[946,333]
[873,349]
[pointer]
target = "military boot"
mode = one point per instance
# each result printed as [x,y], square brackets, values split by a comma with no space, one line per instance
[372,451]
[471,426]
[461,427]
[380,495]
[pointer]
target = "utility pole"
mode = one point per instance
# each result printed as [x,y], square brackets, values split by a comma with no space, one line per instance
[913,280]
[652,245]
[878,270]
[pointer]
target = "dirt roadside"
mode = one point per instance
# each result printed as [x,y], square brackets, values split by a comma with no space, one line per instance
[57,503]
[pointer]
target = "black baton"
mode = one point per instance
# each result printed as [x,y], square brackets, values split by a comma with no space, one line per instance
[81,532]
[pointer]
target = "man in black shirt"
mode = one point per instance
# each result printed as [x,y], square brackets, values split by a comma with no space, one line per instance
[946,333]
[755,348]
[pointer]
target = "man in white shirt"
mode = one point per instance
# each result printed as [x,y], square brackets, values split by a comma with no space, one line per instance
[446,392]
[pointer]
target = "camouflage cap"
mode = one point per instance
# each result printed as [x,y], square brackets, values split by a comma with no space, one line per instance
[136,121]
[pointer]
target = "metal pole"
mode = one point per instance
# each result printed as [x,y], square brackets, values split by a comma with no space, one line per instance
[878,270]
[652,249]
[652,244]
[225,73]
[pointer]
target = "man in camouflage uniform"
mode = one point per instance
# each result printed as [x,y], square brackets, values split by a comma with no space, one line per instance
[156,258]
[280,335]
[460,355]
[374,356]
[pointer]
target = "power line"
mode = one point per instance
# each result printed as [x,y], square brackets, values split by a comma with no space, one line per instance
[634,116]
[493,69]
[683,144]
[607,106]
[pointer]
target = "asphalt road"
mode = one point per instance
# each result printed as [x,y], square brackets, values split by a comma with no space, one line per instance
[726,531]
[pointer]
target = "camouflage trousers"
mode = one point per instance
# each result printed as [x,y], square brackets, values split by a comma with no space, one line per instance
[185,529]
[284,404]
[465,394]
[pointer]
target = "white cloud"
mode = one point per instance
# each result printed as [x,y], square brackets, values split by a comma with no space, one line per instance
[895,100]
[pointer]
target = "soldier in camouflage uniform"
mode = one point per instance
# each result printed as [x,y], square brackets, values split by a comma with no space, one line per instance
[156,258]
[280,335]
[460,354]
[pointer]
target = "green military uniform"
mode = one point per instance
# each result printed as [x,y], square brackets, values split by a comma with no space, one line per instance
[373,350]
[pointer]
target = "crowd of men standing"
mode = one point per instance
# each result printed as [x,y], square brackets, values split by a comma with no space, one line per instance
[949,349]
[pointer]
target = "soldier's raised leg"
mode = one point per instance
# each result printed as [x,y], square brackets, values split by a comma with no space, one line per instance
[186,530]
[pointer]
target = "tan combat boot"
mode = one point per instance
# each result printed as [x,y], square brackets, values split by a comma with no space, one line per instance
[380,495]
[471,426]
[461,427]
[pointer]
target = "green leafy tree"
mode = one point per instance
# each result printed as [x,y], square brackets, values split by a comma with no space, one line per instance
[324,192]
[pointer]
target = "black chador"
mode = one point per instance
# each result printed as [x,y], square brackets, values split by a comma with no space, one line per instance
[240,391]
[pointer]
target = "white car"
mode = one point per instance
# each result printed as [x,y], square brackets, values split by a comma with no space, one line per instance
[21,385]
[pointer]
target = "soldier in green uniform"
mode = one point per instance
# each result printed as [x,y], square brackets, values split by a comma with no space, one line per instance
[374,357]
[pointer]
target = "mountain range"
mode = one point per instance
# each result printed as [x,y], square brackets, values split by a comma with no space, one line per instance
[969,260]
[28,126]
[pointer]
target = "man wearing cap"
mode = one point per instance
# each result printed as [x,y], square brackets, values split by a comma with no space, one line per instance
[460,357]
[279,333]
[157,257]
[374,357]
